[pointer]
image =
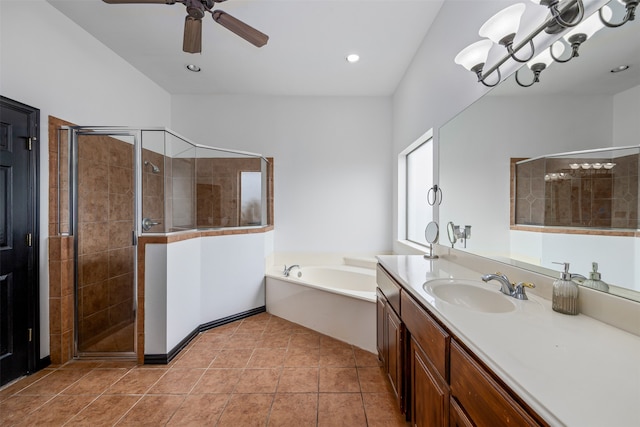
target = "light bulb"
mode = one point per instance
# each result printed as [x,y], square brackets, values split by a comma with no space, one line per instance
[474,54]
[503,23]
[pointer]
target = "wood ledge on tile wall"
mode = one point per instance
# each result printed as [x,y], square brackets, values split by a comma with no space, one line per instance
[568,230]
[195,234]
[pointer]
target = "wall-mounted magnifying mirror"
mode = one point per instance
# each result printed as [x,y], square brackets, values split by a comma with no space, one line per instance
[431,234]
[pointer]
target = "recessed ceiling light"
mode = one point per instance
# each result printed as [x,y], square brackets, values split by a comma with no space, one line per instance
[353,58]
[619,68]
[193,67]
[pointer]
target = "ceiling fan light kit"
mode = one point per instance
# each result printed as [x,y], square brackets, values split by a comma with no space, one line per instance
[196,10]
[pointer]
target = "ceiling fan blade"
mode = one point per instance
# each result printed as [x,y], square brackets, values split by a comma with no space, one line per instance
[139,1]
[192,41]
[245,31]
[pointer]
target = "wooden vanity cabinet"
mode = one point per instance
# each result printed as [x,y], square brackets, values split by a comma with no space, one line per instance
[429,346]
[478,398]
[444,383]
[390,334]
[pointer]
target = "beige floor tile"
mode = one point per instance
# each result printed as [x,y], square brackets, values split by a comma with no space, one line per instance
[381,410]
[274,340]
[267,358]
[55,382]
[232,358]
[152,411]
[243,340]
[197,357]
[258,381]
[136,381]
[365,358]
[301,357]
[258,371]
[16,408]
[299,380]
[373,380]
[57,411]
[339,380]
[294,410]
[96,381]
[340,356]
[106,410]
[177,381]
[246,410]
[199,410]
[341,410]
[218,381]
[304,340]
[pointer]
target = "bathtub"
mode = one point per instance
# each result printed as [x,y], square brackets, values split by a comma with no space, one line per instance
[335,300]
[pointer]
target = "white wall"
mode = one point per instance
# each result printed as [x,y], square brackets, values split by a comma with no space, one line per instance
[332,171]
[193,282]
[50,63]
[626,116]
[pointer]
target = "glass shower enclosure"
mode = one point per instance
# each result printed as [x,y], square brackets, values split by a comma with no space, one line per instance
[116,184]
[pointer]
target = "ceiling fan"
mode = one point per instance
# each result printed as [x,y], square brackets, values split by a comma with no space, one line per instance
[192,41]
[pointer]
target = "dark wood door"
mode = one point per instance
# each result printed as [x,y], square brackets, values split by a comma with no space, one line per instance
[429,392]
[18,239]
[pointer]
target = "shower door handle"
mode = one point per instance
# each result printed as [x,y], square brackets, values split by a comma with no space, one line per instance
[147,223]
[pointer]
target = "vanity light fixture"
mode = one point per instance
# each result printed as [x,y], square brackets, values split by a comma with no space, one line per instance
[473,58]
[630,6]
[538,64]
[562,19]
[582,33]
[194,68]
[353,58]
[502,27]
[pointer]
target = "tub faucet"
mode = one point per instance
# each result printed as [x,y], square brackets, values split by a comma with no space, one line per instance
[287,270]
[506,286]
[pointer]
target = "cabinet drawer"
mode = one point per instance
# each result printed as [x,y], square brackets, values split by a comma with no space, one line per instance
[485,401]
[433,340]
[389,288]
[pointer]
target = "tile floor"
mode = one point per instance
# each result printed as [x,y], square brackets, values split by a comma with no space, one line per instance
[259,371]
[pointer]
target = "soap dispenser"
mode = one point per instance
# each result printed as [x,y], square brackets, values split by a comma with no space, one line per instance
[565,293]
[594,280]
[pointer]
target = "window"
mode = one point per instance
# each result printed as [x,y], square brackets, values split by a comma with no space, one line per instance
[419,165]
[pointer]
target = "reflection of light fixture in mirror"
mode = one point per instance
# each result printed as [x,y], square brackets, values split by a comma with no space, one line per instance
[620,68]
[502,27]
[538,64]
[582,33]
[473,58]
[567,18]
[630,6]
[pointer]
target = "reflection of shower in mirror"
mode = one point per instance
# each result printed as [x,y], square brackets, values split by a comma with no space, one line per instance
[154,168]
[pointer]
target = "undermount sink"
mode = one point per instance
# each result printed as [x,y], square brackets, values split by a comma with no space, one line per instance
[469,294]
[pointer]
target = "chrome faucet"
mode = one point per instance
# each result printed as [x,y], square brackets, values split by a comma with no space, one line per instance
[287,270]
[507,288]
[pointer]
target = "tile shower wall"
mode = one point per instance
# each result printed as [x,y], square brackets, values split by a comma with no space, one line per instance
[105,251]
[218,190]
[602,198]
[153,190]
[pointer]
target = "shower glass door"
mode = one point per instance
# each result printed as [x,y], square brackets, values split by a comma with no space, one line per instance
[104,203]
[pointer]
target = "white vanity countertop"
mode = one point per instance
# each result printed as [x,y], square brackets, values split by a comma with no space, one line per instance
[572,370]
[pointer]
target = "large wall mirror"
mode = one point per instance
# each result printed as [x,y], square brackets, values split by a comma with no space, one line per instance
[578,105]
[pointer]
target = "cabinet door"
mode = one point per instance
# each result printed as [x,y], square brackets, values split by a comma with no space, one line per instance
[393,336]
[457,417]
[485,401]
[381,304]
[429,392]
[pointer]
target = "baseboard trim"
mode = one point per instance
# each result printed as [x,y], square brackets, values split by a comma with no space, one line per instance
[163,359]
